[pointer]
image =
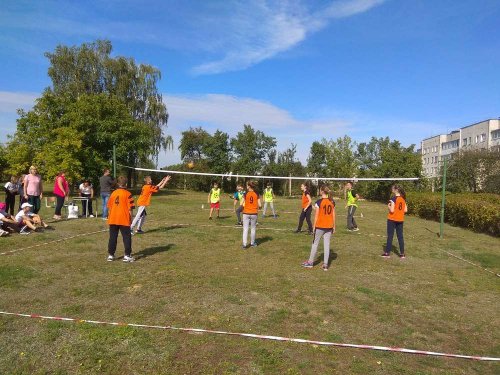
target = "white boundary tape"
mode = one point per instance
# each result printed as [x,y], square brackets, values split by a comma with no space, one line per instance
[471,263]
[53,241]
[230,175]
[256,336]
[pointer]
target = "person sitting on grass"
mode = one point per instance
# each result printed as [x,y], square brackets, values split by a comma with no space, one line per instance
[25,218]
[8,223]
[144,201]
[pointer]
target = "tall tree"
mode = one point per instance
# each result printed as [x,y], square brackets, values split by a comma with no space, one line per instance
[252,149]
[340,160]
[192,144]
[218,152]
[90,69]
[316,162]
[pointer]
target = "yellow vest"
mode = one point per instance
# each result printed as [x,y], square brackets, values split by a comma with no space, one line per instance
[214,195]
[268,195]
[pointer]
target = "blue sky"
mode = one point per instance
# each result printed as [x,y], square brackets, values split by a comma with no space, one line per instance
[299,70]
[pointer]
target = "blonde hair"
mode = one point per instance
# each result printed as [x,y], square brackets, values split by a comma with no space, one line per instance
[326,190]
[33,167]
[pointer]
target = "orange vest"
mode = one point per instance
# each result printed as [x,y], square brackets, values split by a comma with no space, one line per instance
[146,192]
[399,209]
[251,206]
[119,204]
[326,219]
[305,200]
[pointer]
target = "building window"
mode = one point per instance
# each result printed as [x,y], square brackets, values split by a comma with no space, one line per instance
[464,142]
[483,137]
[477,138]
[470,140]
[495,134]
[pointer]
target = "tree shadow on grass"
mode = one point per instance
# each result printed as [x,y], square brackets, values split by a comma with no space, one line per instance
[333,256]
[263,240]
[166,229]
[152,251]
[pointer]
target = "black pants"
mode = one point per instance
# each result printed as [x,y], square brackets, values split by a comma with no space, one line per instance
[85,204]
[59,205]
[305,215]
[351,223]
[34,200]
[113,238]
[398,226]
[10,201]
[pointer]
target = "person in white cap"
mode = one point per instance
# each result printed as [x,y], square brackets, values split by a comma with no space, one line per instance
[26,219]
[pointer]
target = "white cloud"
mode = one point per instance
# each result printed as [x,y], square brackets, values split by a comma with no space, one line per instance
[11,101]
[272,28]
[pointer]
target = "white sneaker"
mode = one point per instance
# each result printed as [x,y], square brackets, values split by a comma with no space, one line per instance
[111,258]
[3,233]
[128,259]
[91,216]
[355,229]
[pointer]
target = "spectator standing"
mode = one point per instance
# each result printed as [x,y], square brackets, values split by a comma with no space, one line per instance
[20,186]
[61,191]
[11,190]
[33,189]
[106,182]
[87,191]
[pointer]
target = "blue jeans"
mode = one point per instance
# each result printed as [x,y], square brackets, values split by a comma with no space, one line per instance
[105,198]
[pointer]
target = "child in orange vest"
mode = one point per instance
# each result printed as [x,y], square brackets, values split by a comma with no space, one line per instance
[251,204]
[306,205]
[144,201]
[120,206]
[324,226]
[397,209]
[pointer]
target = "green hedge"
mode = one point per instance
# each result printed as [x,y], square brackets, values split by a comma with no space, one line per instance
[479,212]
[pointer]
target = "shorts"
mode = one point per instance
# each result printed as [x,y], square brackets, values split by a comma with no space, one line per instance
[215,205]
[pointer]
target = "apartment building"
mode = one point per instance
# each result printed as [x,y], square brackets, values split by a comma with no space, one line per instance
[481,135]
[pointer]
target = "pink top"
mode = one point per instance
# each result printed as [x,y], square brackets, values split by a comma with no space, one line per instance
[32,183]
[57,189]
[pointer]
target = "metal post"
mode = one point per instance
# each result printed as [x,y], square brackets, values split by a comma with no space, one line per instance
[290,186]
[443,200]
[114,161]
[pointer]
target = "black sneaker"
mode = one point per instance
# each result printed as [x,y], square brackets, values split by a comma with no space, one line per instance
[139,231]
[385,255]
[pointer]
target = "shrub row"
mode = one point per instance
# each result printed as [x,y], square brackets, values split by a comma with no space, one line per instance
[479,212]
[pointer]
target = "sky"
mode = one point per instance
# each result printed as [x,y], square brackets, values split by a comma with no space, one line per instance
[299,70]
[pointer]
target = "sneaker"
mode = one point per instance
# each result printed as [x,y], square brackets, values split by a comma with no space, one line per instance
[307,264]
[309,233]
[3,233]
[128,259]
[275,216]
[139,231]
[244,247]
[210,218]
[386,255]
[91,216]
[111,258]
[355,229]
[324,267]
[132,232]
[253,244]
[104,218]
[402,256]
[24,230]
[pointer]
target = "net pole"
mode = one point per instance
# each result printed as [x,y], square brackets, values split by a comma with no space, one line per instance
[290,186]
[114,161]
[443,200]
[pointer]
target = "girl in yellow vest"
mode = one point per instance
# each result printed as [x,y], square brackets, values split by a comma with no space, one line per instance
[352,199]
[214,200]
[268,199]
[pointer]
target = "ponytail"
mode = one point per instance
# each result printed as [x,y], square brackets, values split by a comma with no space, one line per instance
[326,190]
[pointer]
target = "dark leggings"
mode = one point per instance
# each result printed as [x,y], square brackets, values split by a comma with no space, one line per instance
[113,238]
[398,226]
[59,205]
[10,201]
[305,215]
[34,200]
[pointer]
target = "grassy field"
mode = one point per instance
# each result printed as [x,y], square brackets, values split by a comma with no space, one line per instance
[198,276]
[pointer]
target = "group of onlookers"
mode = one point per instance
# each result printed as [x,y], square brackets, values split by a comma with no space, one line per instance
[30,190]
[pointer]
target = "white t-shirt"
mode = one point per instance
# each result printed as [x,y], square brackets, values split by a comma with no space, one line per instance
[85,190]
[12,188]
[20,214]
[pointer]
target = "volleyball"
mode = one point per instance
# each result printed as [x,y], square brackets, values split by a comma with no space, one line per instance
[190,165]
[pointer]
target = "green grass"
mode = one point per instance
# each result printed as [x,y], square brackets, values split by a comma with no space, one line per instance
[198,276]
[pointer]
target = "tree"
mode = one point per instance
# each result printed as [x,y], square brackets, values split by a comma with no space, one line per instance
[316,162]
[382,158]
[340,160]
[192,144]
[252,150]
[3,162]
[474,171]
[76,136]
[90,69]
[218,152]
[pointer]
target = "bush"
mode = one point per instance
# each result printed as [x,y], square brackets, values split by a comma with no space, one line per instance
[479,212]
